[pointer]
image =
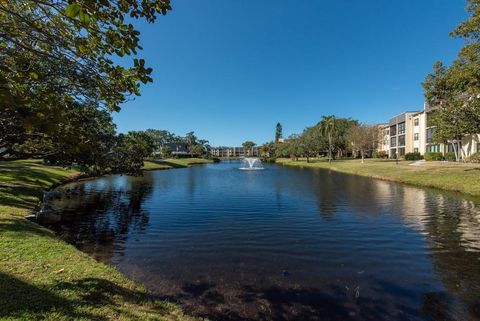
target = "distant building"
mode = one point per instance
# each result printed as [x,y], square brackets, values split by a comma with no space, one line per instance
[178,148]
[234,152]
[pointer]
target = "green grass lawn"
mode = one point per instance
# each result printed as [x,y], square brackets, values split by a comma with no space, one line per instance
[458,177]
[174,163]
[42,277]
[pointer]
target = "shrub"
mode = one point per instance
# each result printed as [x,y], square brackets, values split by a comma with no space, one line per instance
[450,156]
[433,156]
[413,156]
[380,154]
[474,158]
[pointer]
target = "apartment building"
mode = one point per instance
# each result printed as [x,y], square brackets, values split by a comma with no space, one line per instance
[234,152]
[412,131]
[401,134]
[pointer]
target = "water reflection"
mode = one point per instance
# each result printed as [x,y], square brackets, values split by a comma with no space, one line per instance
[284,243]
[100,223]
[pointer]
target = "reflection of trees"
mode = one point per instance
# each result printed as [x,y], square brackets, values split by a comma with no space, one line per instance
[99,220]
[453,228]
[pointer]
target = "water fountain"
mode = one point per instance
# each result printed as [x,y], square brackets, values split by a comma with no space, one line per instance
[251,163]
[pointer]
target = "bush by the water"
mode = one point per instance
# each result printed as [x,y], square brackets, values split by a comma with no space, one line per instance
[413,156]
[433,156]
[450,157]
[380,154]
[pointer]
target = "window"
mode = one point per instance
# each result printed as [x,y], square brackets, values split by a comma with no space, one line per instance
[393,130]
[401,151]
[415,136]
[393,153]
[449,148]
[393,142]
[415,122]
[401,140]
[415,150]
[435,148]
[401,128]
[430,132]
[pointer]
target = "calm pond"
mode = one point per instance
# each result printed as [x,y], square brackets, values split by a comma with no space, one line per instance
[283,243]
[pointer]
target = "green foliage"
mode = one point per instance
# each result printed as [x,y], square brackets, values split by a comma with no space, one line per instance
[450,157]
[329,129]
[129,152]
[268,151]
[166,151]
[197,150]
[162,137]
[454,91]
[413,156]
[62,57]
[433,156]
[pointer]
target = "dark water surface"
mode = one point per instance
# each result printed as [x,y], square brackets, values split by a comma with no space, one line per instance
[283,243]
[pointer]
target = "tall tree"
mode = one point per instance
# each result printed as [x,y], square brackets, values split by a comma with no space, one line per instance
[329,129]
[454,92]
[278,132]
[309,142]
[363,138]
[162,137]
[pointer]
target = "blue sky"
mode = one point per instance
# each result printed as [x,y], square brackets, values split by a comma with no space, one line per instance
[230,69]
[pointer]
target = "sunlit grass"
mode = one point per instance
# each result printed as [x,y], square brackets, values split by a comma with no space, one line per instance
[451,176]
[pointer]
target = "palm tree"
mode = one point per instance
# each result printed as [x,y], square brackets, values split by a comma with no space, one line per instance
[248,146]
[329,130]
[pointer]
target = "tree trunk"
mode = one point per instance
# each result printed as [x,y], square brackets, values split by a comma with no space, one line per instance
[329,148]
[456,151]
[362,152]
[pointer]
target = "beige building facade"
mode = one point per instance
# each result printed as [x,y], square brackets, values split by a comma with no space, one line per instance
[411,132]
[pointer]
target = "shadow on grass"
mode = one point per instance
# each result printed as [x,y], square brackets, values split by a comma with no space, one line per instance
[24,184]
[71,300]
[167,163]
[22,228]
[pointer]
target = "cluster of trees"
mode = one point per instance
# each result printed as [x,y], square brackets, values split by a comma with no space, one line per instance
[454,91]
[332,137]
[162,138]
[65,66]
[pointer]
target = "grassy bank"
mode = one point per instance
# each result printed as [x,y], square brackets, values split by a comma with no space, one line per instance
[458,177]
[42,277]
[174,163]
